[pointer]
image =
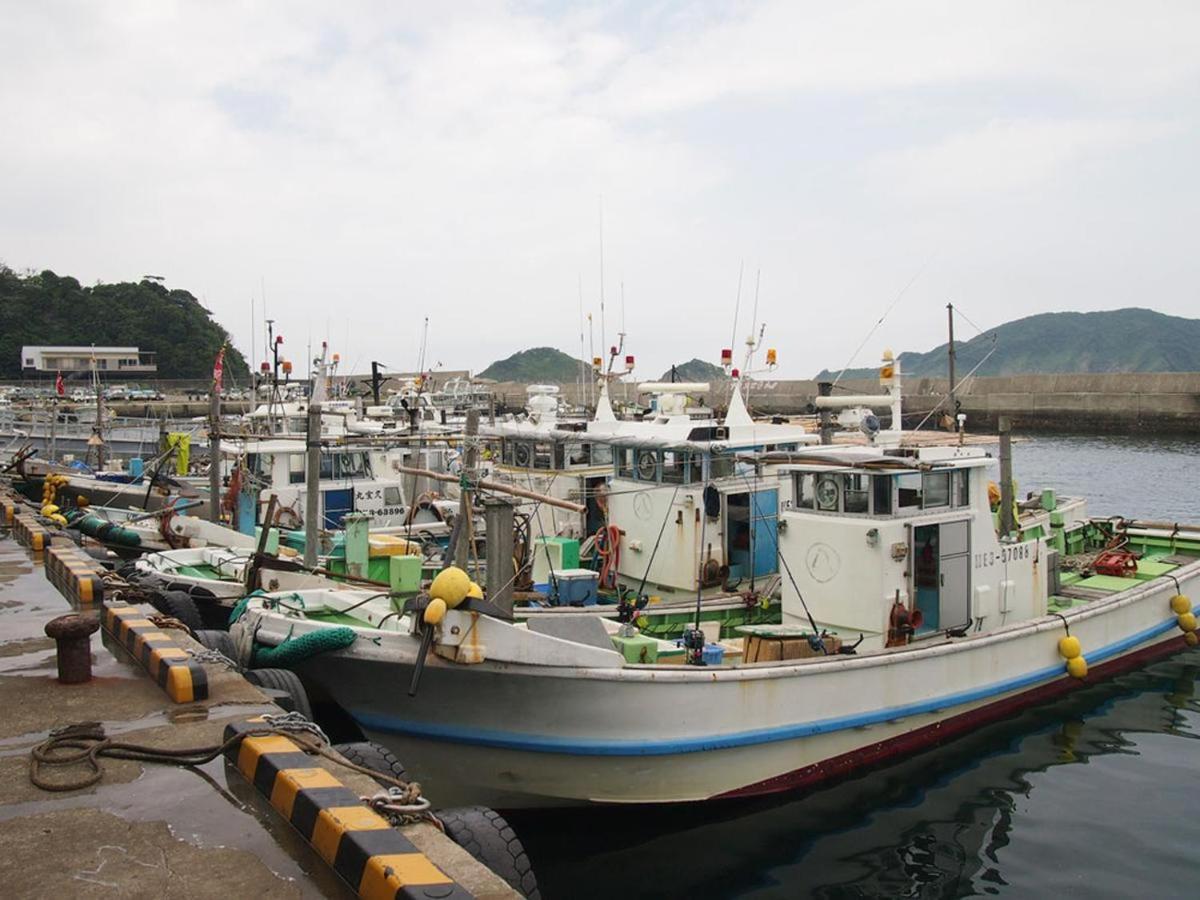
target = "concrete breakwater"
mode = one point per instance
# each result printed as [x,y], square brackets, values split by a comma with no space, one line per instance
[1159,402]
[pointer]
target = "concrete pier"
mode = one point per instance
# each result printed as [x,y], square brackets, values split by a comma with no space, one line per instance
[154,830]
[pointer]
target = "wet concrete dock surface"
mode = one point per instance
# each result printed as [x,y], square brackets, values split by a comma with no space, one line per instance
[148,830]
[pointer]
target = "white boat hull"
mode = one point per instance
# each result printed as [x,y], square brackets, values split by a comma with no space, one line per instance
[518,734]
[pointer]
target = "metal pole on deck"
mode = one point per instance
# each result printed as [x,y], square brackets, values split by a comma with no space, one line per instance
[469,477]
[1007,525]
[951,355]
[312,486]
[499,518]
[825,389]
[214,455]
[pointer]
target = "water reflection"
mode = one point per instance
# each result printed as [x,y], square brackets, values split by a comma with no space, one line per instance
[945,823]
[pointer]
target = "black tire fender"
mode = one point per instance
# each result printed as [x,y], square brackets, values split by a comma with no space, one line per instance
[488,837]
[221,641]
[375,757]
[181,606]
[287,683]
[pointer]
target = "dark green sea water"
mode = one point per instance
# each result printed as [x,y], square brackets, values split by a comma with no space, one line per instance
[1095,796]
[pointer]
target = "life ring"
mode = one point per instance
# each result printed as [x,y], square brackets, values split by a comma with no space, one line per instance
[288,518]
[521,455]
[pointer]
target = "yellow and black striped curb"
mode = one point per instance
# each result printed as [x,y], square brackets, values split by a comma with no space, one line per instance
[176,672]
[77,576]
[29,532]
[364,849]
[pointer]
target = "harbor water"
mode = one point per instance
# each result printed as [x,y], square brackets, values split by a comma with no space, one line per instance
[1092,796]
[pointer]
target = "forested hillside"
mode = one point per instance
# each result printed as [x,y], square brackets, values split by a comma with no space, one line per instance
[51,309]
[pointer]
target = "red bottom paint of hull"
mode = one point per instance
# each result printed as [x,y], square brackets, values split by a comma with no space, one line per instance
[941,732]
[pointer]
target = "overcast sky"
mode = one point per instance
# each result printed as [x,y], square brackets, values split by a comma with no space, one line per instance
[374,163]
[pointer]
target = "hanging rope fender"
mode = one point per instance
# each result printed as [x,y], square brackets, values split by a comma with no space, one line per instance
[85,743]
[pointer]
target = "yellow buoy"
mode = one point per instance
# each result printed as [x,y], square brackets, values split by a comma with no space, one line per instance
[451,585]
[1190,639]
[59,520]
[1077,667]
[475,592]
[81,500]
[1187,621]
[49,509]
[1180,604]
[1069,647]
[435,611]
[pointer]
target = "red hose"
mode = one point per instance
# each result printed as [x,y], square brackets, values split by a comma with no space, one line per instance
[608,545]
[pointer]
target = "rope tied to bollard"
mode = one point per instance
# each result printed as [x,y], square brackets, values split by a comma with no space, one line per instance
[85,743]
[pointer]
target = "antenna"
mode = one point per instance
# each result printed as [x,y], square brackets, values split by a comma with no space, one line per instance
[602,332]
[584,364]
[424,342]
[737,304]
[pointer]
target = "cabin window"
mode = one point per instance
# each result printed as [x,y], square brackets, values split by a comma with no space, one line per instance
[506,453]
[805,490]
[391,496]
[602,454]
[543,456]
[625,462]
[350,465]
[881,486]
[296,468]
[854,493]
[962,496]
[827,493]
[575,454]
[908,490]
[935,486]
[676,467]
[326,464]
[720,466]
[647,465]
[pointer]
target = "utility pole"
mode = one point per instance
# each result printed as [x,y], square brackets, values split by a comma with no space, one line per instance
[825,389]
[951,356]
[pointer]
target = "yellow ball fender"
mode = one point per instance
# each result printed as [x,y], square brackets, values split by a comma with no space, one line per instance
[475,592]
[49,510]
[435,611]
[1190,639]
[1180,604]
[1077,667]
[59,519]
[1187,622]
[452,585]
[1069,647]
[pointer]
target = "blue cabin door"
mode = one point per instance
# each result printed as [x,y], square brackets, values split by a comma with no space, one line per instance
[765,518]
[337,504]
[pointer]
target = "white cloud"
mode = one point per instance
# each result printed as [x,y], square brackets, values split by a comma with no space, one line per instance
[376,161]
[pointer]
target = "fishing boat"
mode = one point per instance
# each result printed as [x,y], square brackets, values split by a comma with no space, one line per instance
[916,605]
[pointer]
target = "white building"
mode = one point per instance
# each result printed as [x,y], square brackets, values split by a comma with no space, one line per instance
[109,360]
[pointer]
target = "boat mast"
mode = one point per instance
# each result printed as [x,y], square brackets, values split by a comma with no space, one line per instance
[951,360]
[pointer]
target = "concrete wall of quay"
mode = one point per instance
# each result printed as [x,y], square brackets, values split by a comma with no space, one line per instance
[1119,402]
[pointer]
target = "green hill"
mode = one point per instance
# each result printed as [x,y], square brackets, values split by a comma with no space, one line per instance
[52,309]
[539,364]
[695,370]
[1118,340]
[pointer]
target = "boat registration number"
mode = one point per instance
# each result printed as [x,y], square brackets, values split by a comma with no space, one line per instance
[1006,555]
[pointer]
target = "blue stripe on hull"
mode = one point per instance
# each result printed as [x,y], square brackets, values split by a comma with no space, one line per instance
[583,747]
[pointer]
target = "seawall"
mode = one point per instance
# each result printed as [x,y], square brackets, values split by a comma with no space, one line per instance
[1121,403]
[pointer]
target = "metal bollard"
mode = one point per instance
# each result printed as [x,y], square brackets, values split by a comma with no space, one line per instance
[73,634]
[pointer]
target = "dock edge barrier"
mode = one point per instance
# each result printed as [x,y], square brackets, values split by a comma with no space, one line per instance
[365,850]
[170,665]
[76,575]
[29,532]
